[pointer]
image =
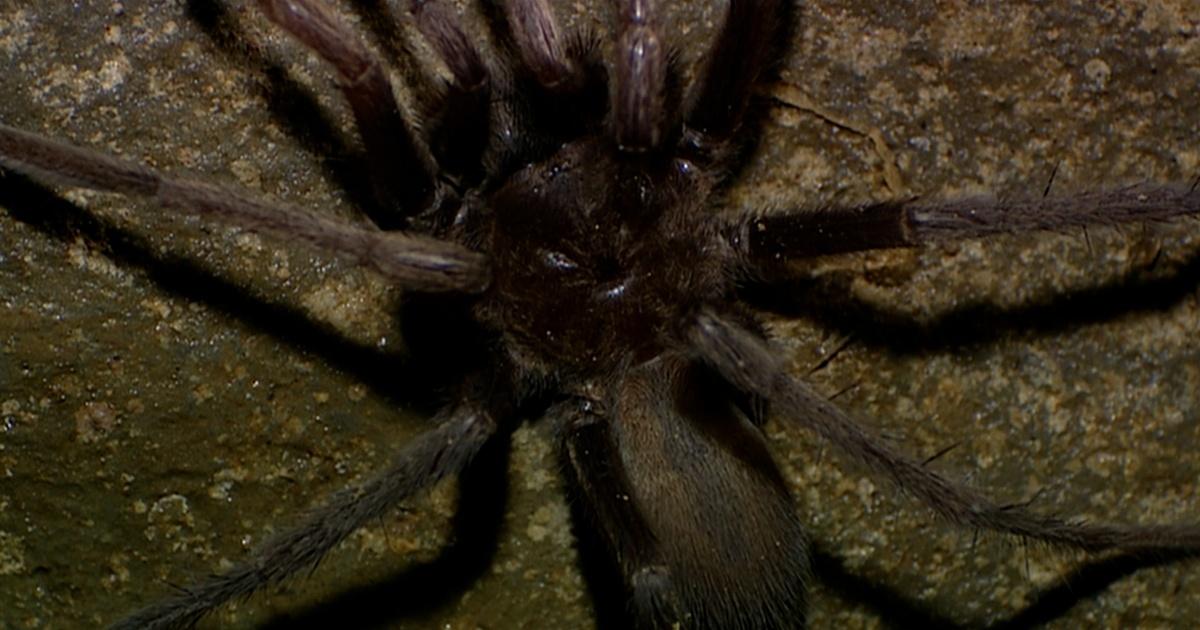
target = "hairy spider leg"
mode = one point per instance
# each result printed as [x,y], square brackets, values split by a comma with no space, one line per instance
[596,472]
[639,90]
[765,239]
[392,148]
[541,46]
[410,260]
[438,453]
[747,361]
[460,129]
[717,101]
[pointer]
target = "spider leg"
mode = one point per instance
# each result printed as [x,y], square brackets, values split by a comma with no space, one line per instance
[391,147]
[552,90]
[719,97]
[597,471]
[414,262]
[638,101]
[682,489]
[917,222]
[460,132]
[749,363]
[436,454]
[541,45]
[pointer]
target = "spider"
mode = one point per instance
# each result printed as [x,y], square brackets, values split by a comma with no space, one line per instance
[201,394]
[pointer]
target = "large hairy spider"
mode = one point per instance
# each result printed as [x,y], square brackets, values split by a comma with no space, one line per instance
[734,373]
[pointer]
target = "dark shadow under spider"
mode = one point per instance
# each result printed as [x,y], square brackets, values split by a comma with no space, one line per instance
[730,348]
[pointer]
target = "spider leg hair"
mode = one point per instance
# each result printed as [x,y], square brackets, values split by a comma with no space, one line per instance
[541,46]
[459,133]
[414,262]
[718,98]
[748,362]
[438,453]
[916,222]
[639,90]
[391,146]
[681,487]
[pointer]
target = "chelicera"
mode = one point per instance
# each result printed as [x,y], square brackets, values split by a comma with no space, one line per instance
[622,309]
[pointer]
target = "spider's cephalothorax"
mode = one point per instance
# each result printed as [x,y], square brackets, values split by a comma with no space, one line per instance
[564,203]
[611,261]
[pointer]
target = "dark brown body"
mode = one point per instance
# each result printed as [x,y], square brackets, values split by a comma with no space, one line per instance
[589,291]
[675,475]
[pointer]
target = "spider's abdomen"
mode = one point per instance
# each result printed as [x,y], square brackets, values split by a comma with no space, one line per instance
[597,255]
